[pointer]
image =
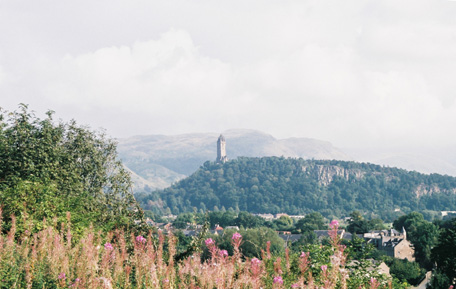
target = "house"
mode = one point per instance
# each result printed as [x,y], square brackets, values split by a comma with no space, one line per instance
[392,242]
[232,228]
[267,217]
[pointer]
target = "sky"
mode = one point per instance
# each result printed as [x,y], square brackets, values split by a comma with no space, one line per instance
[356,73]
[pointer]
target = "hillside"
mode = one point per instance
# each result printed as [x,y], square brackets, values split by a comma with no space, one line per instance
[294,186]
[158,160]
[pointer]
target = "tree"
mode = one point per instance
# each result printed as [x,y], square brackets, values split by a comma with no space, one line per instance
[424,239]
[183,220]
[222,219]
[409,221]
[406,270]
[357,224]
[253,241]
[247,220]
[421,233]
[49,168]
[311,222]
[444,256]
[283,223]
[376,224]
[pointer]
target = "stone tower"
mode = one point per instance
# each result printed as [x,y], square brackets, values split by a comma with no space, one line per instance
[221,150]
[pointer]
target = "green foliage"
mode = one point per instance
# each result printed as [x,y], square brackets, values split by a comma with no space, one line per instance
[247,220]
[222,219]
[357,224]
[421,233]
[409,221]
[359,249]
[253,241]
[283,223]
[439,280]
[297,186]
[311,222]
[183,220]
[48,168]
[444,256]
[307,238]
[404,270]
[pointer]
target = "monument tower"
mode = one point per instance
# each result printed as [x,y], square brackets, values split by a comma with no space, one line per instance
[221,150]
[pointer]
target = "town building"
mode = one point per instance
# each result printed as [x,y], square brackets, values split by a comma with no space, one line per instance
[392,242]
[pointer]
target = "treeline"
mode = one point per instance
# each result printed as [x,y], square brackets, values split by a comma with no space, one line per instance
[297,186]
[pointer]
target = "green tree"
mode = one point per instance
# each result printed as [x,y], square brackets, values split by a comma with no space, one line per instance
[247,220]
[444,256]
[283,223]
[359,249]
[308,237]
[376,224]
[409,221]
[357,224]
[183,220]
[421,233]
[311,222]
[424,239]
[48,168]
[405,270]
[222,219]
[253,241]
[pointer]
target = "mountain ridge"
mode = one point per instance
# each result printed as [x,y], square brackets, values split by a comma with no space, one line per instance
[296,186]
[162,160]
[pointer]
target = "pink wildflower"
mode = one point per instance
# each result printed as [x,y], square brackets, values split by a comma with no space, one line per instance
[62,276]
[334,224]
[223,253]
[296,285]
[303,255]
[255,261]
[324,268]
[374,283]
[236,236]
[140,239]
[108,246]
[209,242]
[278,280]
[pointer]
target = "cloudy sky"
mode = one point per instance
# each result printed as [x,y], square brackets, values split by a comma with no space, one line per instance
[356,73]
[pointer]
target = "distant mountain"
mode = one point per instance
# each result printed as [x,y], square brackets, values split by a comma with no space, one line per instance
[423,160]
[295,186]
[159,160]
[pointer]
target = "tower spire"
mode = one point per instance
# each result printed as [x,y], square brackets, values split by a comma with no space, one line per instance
[221,150]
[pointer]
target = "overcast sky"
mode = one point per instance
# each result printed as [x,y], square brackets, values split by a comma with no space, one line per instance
[355,73]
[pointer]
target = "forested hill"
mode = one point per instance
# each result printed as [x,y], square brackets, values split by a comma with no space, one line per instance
[294,186]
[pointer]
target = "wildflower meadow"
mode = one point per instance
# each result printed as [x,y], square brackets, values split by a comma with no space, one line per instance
[51,258]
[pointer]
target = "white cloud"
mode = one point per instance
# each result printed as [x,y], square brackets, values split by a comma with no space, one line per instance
[166,79]
[352,72]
